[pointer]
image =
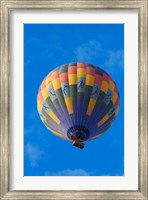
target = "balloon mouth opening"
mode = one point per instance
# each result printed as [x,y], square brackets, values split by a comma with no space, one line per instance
[78,134]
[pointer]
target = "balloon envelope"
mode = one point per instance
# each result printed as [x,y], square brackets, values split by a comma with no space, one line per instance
[78,102]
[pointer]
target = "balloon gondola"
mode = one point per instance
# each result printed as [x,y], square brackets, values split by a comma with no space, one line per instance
[78,102]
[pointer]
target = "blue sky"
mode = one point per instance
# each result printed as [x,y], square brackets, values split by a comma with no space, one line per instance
[47,46]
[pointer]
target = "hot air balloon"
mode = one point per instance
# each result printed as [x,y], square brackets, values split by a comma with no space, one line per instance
[78,102]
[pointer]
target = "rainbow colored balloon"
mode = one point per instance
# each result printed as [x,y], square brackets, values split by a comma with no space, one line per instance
[78,102]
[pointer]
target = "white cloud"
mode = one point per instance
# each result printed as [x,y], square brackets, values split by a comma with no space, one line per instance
[115,59]
[35,129]
[29,130]
[33,153]
[92,50]
[68,172]
[113,174]
[88,51]
[33,115]
[80,172]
